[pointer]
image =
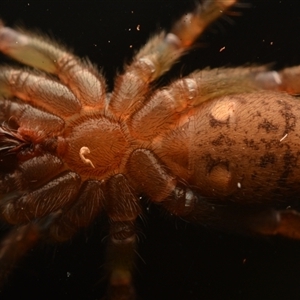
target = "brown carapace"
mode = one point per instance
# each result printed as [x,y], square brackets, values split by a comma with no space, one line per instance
[215,144]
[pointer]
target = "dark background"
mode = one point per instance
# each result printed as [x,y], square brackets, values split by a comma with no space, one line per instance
[178,260]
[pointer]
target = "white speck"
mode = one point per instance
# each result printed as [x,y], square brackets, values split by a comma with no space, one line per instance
[138,28]
[82,152]
[239,185]
[173,39]
[223,48]
[276,77]
[192,87]
[68,274]
[283,137]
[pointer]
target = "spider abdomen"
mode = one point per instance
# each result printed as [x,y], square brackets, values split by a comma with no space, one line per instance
[229,146]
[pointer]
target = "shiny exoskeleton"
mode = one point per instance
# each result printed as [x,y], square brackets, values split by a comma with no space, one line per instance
[208,145]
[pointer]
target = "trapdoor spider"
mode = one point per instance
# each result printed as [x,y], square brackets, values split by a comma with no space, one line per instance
[203,148]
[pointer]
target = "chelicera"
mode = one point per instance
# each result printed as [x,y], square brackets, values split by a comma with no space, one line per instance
[69,150]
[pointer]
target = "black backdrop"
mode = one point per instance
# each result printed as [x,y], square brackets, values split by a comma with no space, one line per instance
[178,260]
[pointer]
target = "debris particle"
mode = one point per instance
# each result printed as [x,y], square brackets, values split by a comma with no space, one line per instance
[283,137]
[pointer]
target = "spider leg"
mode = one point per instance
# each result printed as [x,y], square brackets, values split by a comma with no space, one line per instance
[21,239]
[159,54]
[81,213]
[165,107]
[27,174]
[192,25]
[29,120]
[245,219]
[22,206]
[82,78]
[39,91]
[287,80]
[282,222]
[288,224]
[290,80]
[122,208]
[165,189]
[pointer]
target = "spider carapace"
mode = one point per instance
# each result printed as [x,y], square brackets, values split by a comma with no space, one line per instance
[218,147]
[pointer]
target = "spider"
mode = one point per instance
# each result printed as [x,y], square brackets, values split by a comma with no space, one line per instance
[22,146]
